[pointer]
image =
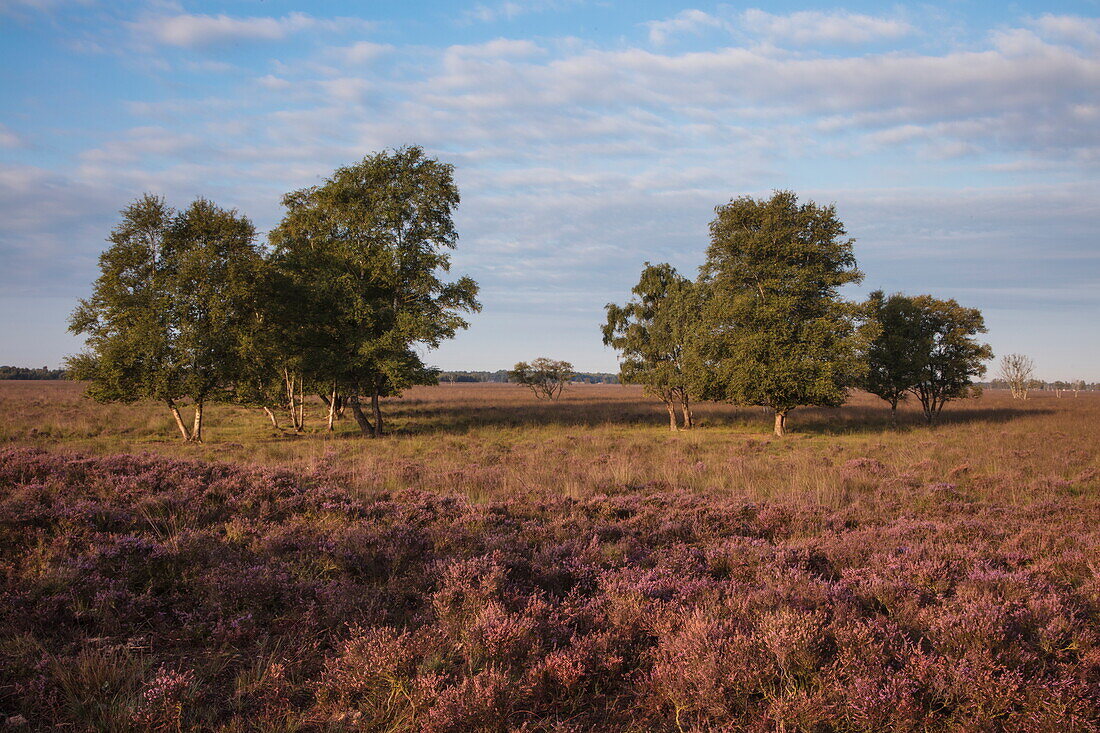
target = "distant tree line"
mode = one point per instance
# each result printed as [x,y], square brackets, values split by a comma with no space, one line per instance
[189,309]
[15,372]
[764,323]
[502,376]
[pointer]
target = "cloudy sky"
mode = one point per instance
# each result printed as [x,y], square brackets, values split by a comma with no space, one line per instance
[960,145]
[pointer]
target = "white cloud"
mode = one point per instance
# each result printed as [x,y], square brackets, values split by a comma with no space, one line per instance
[500,48]
[606,157]
[511,9]
[9,138]
[1070,28]
[361,52]
[808,27]
[192,31]
[687,21]
[13,6]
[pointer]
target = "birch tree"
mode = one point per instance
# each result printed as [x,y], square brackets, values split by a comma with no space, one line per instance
[168,314]
[651,333]
[361,259]
[1018,371]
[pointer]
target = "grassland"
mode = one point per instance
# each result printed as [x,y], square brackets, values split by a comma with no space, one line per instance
[491,441]
[500,564]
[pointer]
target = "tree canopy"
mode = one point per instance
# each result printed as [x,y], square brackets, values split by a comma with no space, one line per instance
[774,329]
[545,377]
[168,315]
[923,346]
[899,351]
[651,332]
[954,357]
[358,262]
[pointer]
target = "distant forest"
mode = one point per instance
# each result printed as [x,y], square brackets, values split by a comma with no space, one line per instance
[14,372]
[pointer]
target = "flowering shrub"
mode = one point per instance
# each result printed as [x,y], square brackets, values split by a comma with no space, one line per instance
[162,594]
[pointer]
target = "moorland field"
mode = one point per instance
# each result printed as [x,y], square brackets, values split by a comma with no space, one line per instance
[500,563]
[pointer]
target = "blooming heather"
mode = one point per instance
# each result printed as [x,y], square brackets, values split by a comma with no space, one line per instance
[166,594]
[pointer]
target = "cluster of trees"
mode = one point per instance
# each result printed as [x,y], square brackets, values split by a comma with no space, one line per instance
[765,324]
[190,308]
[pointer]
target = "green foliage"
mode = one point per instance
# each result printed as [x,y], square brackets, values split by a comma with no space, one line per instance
[213,266]
[953,358]
[169,313]
[899,352]
[358,263]
[128,354]
[925,347]
[545,377]
[774,330]
[651,333]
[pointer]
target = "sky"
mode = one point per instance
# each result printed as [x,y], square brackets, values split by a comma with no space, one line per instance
[959,141]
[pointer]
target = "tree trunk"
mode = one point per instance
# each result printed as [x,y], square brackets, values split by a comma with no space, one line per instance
[377,413]
[179,420]
[360,417]
[331,408]
[291,403]
[196,429]
[685,409]
[780,423]
[671,415]
[271,416]
[301,403]
[894,414]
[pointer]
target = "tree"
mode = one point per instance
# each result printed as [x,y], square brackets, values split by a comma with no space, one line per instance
[923,347]
[774,329]
[168,314]
[358,261]
[954,358]
[898,353]
[1017,370]
[652,333]
[545,377]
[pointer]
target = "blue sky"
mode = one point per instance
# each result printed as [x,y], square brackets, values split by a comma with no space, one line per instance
[959,141]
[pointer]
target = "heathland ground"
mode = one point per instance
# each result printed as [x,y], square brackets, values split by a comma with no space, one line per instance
[500,563]
[494,441]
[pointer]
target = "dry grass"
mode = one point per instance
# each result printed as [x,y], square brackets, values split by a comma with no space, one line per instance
[490,441]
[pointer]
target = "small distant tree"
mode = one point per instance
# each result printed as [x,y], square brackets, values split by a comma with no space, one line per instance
[774,330]
[545,377]
[651,332]
[169,312]
[1017,370]
[954,358]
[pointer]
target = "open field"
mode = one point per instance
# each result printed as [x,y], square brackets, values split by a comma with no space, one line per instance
[502,564]
[492,441]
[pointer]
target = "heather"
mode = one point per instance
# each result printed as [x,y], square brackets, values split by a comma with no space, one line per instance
[158,593]
[502,563]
